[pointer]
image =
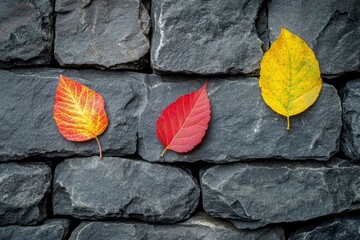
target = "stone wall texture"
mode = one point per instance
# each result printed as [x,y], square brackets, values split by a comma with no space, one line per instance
[249,179]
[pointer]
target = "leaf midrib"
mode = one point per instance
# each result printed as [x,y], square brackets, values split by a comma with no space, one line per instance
[290,81]
[78,107]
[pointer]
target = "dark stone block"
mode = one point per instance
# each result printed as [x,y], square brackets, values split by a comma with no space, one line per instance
[23,193]
[257,194]
[242,126]
[90,188]
[27,124]
[26,32]
[205,37]
[199,227]
[54,229]
[339,228]
[350,138]
[104,34]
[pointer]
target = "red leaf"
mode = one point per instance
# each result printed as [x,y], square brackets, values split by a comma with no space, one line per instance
[182,125]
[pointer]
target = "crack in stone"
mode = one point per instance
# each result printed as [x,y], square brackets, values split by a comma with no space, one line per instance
[262,26]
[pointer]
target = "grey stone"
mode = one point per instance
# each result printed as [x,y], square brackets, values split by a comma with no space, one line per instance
[54,229]
[330,27]
[242,126]
[339,228]
[199,227]
[261,193]
[104,34]
[205,37]
[26,32]
[116,187]
[350,138]
[26,110]
[24,189]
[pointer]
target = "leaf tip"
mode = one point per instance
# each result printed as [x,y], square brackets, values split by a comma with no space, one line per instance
[64,80]
[205,85]
[62,77]
[283,30]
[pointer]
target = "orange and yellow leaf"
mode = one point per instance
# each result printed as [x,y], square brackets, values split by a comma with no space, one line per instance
[79,112]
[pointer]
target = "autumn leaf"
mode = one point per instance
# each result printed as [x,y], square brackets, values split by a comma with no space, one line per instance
[79,112]
[290,79]
[182,125]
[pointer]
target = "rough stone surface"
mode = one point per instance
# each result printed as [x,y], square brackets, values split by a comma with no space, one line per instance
[340,228]
[205,37]
[23,193]
[257,194]
[242,126]
[26,32]
[331,28]
[199,227]
[54,229]
[116,187]
[105,34]
[350,137]
[26,110]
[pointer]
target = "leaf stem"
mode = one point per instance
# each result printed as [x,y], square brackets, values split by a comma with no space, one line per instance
[162,154]
[99,145]
[288,123]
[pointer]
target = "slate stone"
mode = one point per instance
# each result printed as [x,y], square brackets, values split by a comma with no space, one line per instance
[350,138]
[88,188]
[26,32]
[242,126]
[339,228]
[254,195]
[104,34]
[205,37]
[199,227]
[26,110]
[331,28]
[54,229]
[23,193]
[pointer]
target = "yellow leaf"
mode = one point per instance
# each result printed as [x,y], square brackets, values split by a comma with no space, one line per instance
[290,79]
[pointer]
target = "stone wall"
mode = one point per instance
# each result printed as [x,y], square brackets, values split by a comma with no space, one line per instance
[250,178]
